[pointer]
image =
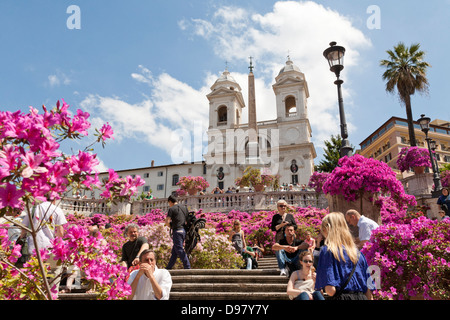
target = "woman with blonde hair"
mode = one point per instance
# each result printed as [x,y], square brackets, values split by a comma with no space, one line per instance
[237,238]
[342,268]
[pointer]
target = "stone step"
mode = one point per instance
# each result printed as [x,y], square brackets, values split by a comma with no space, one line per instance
[264,283]
[229,279]
[176,295]
[229,287]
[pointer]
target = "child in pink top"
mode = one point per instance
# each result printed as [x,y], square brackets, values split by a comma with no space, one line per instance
[310,241]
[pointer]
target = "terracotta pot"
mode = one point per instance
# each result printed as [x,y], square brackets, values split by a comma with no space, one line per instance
[259,187]
[192,192]
[419,170]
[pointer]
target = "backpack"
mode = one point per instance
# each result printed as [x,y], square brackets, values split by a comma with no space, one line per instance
[192,227]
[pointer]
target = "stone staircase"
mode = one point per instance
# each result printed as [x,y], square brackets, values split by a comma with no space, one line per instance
[264,283]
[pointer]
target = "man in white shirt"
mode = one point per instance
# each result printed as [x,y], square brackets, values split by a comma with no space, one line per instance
[365,225]
[149,282]
[48,219]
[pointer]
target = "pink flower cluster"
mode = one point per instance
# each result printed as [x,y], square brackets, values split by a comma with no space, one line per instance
[413,259]
[357,174]
[32,170]
[121,188]
[445,178]
[31,166]
[411,157]
[317,180]
[192,182]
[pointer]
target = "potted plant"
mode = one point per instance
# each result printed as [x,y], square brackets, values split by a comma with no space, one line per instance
[193,184]
[413,158]
[253,177]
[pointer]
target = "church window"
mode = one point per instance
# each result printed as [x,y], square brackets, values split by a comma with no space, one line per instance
[290,106]
[222,113]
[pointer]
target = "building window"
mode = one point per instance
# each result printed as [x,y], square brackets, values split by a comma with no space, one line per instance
[146,188]
[290,107]
[223,114]
[146,175]
[175,179]
[388,158]
[160,173]
[160,187]
[204,169]
[294,179]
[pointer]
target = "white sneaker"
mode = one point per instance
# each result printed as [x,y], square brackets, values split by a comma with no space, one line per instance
[283,272]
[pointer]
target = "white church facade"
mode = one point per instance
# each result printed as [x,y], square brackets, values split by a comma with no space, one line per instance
[280,146]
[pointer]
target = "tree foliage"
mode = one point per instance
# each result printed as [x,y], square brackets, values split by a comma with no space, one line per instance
[331,155]
[406,74]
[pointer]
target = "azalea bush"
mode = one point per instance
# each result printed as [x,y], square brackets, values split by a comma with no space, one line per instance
[33,169]
[413,259]
[357,175]
[317,180]
[445,178]
[191,182]
[410,157]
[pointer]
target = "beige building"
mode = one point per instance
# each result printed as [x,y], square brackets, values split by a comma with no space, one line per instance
[161,180]
[385,143]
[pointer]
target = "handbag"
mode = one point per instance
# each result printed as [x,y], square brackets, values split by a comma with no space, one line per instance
[338,294]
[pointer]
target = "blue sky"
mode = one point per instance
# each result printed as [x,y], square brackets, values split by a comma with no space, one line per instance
[145,66]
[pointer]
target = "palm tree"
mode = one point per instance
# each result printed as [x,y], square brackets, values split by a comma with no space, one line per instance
[406,71]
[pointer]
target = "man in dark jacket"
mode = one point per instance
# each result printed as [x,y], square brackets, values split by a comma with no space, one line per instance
[176,219]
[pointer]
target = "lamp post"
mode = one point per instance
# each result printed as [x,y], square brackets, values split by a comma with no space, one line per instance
[335,56]
[424,123]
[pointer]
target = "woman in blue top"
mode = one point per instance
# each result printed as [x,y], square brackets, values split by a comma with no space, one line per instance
[336,260]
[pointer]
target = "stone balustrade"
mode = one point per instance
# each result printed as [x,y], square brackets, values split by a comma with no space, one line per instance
[224,202]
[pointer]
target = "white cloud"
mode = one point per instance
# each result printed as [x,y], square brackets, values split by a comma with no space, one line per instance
[55,80]
[302,29]
[166,119]
[169,114]
[101,167]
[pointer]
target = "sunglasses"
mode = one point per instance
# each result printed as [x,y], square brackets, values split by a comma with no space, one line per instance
[307,261]
[282,206]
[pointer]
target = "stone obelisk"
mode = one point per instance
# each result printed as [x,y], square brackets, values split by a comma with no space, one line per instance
[252,126]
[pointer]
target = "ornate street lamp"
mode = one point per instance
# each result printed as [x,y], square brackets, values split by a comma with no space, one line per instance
[335,56]
[424,123]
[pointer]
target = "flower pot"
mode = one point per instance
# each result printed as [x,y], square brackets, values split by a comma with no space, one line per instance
[192,192]
[419,170]
[259,187]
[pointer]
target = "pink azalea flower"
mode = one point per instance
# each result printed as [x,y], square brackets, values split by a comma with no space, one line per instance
[10,196]
[106,132]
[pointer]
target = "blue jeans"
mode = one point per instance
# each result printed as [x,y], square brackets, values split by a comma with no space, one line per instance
[178,250]
[317,295]
[283,259]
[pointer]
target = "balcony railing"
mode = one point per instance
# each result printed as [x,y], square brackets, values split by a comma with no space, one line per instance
[224,202]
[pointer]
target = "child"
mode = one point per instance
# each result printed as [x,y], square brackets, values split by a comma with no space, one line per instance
[310,241]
